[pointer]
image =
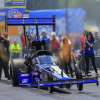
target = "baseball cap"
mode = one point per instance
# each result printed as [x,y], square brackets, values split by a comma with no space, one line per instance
[43,32]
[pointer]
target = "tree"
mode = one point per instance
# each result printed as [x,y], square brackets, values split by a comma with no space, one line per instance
[42,4]
[89,6]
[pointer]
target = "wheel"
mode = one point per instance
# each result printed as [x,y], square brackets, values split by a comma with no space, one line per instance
[79,76]
[50,79]
[14,70]
[69,86]
[97,83]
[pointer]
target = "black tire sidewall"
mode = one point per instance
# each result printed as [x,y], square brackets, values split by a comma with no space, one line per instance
[16,64]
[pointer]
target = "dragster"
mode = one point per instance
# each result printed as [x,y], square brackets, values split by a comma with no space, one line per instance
[39,69]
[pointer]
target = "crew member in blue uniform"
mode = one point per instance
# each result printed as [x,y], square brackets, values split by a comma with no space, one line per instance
[45,38]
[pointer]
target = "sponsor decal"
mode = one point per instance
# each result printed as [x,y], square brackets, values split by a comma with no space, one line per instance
[14,3]
[35,73]
[25,75]
[40,76]
[14,13]
[7,1]
[24,80]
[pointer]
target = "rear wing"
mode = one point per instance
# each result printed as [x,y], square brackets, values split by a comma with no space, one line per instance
[29,21]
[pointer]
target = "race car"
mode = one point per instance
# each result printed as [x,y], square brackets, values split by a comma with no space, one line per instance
[39,69]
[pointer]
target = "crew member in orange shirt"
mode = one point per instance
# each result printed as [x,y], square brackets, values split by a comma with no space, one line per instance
[82,41]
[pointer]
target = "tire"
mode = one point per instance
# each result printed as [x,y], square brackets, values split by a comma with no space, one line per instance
[50,79]
[14,70]
[79,76]
[69,86]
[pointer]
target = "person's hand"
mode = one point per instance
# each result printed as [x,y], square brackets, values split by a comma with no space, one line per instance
[95,41]
[22,30]
[1,36]
[86,40]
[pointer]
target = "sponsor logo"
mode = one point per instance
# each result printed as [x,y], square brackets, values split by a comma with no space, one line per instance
[2,13]
[14,13]
[25,75]
[24,80]
[35,73]
[7,1]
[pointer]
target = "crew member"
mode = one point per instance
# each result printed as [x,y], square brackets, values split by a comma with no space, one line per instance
[82,41]
[54,44]
[96,44]
[23,42]
[15,50]
[4,54]
[66,54]
[89,52]
[45,38]
[60,37]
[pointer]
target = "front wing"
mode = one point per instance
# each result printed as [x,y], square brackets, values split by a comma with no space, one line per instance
[69,82]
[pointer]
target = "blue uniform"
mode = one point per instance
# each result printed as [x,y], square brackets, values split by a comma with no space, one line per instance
[35,39]
[46,39]
[89,49]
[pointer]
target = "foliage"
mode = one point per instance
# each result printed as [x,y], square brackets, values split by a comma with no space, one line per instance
[91,6]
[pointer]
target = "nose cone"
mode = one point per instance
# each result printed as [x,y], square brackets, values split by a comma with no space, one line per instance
[65,78]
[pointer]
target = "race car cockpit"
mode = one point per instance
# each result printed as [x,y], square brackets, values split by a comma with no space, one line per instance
[45,59]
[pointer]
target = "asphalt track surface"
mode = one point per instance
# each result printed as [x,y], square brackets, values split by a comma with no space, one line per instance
[8,92]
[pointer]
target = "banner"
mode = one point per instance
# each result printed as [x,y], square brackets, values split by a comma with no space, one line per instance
[11,13]
[14,3]
[75,20]
[75,26]
[60,15]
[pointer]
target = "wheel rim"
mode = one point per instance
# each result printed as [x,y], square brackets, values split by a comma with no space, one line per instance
[49,88]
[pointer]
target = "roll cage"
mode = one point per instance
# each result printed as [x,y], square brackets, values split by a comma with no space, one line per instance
[30,21]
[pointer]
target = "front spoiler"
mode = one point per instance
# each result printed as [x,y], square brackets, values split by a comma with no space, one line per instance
[70,81]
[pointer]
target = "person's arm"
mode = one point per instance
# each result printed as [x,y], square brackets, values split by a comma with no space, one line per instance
[19,47]
[21,32]
[84,42]
[6,39]
[91,45]
[50,46]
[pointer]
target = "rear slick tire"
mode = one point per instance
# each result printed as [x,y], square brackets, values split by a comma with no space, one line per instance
[15,65]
